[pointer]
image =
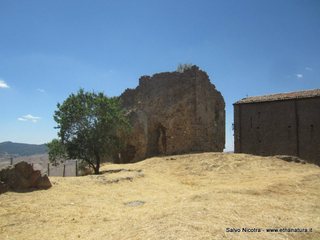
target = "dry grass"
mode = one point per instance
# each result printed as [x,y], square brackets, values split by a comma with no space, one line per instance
[185,197]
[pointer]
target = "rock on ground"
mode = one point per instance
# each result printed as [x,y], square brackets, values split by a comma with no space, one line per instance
[21,177]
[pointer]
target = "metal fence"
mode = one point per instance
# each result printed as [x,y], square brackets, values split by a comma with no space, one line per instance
[69,168]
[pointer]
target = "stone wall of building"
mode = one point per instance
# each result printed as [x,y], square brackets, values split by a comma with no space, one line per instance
[290,127]
[174,113]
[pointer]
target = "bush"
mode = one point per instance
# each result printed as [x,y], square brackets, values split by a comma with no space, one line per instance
[183,67]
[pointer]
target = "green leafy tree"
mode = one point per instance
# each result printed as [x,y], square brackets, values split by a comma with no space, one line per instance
[57,152]
[91,127]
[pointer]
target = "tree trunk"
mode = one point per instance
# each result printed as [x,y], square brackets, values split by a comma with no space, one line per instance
[97,168]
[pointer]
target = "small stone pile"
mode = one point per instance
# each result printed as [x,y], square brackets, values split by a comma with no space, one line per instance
[22,177]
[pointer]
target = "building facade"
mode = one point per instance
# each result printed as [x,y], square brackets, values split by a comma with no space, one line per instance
[279,124]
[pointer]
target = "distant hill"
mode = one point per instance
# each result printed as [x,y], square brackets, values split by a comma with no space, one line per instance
[21,149]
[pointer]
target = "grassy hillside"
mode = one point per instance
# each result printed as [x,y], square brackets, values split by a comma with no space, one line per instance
[21,149]
[194,196]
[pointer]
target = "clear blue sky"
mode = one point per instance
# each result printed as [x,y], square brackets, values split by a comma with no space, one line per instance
[49,49]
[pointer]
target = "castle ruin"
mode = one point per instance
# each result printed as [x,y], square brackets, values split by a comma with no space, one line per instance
[174,113]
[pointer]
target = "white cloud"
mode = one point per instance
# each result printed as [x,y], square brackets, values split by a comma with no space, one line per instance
[308,68]
[299,75]
[3,84]
[22,119]
[41,90]
[29,117]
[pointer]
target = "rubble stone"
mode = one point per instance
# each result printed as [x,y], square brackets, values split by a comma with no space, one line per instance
[22,177]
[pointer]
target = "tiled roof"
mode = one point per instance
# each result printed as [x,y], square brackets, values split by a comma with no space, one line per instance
[281,96]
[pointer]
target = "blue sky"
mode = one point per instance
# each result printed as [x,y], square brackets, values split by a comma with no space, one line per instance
[49,49]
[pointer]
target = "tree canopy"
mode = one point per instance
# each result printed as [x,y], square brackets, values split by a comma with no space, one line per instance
[91,127]
[56,151]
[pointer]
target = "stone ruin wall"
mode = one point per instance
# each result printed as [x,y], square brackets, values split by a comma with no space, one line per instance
[174,113]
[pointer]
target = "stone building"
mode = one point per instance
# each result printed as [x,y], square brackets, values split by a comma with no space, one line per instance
[174,113]
[279,124]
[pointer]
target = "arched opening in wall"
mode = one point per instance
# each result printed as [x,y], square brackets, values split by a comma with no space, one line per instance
[157,140]
[162,139]
[126,155]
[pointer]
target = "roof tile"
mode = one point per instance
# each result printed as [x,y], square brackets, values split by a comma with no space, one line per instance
[281,96]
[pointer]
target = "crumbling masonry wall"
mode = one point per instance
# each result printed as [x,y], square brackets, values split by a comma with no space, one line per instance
[174,113]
